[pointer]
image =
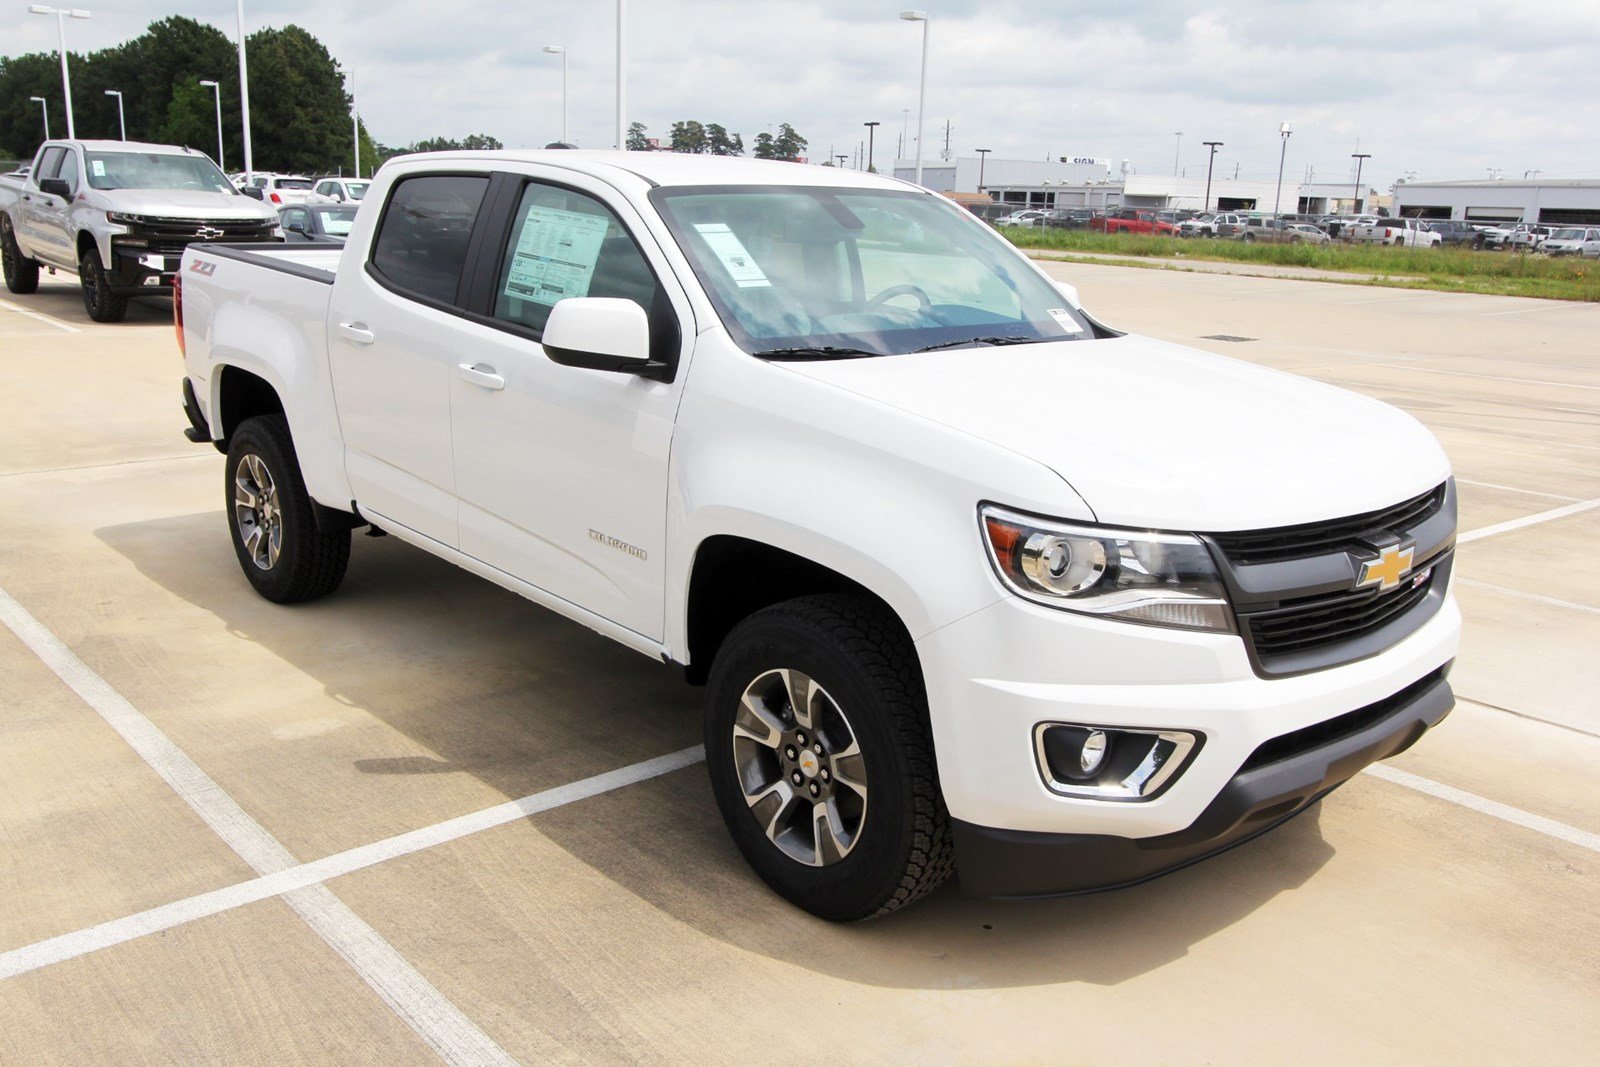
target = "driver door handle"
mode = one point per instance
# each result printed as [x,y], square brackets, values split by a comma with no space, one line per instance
[357,332]
[481,374]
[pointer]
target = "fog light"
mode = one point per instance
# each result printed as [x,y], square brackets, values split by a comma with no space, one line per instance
[1094,751]
[1109,763]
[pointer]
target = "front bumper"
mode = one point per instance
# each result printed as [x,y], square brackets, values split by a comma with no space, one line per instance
[1265,792]
[135,270]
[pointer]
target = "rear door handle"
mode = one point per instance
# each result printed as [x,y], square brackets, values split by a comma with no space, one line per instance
[357,332]
[481,374]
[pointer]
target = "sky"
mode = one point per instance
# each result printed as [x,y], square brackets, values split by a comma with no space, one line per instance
[1433,89]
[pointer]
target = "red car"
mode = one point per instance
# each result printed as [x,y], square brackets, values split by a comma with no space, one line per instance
[1133,220]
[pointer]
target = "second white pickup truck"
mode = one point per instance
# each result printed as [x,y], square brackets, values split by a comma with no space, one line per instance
[975,582]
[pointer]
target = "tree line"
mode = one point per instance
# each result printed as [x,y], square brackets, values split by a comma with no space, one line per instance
[697,138]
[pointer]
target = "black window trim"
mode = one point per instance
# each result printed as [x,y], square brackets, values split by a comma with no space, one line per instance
[454,305]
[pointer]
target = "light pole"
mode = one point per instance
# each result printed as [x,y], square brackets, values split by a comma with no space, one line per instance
[1177,152]
[45,111]
[62,14]
[216,91]
[1359,157]
[355,123]
[1283,131]
[122,123]
[244,98]
[872,129]
[1211,162]
[622,82]
[841,157]
[922,90]
[560,50]
[905,120]
[983,157]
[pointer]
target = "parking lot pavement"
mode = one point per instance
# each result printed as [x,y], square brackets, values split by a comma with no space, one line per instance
[244,833]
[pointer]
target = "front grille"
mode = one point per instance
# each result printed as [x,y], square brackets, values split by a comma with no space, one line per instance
[172,236]
[1330,620]
[1287,746]
[1323,538]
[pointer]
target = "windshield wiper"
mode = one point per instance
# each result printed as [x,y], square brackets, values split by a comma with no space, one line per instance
[814,352]
[1010,339]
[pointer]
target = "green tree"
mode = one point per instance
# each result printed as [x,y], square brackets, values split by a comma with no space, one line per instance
[720,142]
[788,144]
[765,147]
[191,118]
[688,136]
[638,140]
[299,112]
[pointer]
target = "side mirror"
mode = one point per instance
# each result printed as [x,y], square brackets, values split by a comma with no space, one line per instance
[1070,291]
[252,191]
[56,187]
[295,227]
[598,333]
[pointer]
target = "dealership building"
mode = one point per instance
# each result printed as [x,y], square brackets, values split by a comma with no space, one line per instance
[1556,202]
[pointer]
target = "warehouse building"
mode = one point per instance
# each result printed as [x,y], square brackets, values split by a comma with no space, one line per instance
[1555,202]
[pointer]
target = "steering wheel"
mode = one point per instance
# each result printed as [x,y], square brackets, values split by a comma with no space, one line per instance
[923,303]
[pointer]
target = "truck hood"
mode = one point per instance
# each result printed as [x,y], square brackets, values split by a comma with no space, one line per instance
[1157,435]
[183,204]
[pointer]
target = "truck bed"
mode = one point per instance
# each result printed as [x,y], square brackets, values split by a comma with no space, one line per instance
[318,261]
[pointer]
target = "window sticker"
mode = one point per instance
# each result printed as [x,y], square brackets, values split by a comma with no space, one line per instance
[555,255]
[1064,319]
[98,166]
[727,247]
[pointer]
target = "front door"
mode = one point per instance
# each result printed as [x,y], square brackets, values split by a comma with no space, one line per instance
[394,334]
[562,471]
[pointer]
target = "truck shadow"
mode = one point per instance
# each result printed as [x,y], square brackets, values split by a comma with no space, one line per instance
[60,297]
[497,688]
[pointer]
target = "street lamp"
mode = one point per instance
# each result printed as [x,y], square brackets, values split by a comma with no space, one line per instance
[1359,157]
[922,91]
[122,123]
[983,157]
[355,123]
[1210,162]
[560,50]
[62,14]
[872,129]
[622,83]
[1177,152]
[216,90]
[841,157]
[1283,131]
[244,97]
[45,111]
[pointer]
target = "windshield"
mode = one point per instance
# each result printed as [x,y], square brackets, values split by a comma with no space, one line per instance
[336,220]
[357,190]
[1568,235]
[860,272]
[155,170]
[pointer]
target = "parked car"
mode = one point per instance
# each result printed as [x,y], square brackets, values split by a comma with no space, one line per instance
[1199,226]
[316,222]
[1528,236]
[118,214]
[279,189]
[1412,233]
[1133,220]
[1345,224]
[339,190]
[1076,218]
[1306,233]
[1020,218]
[1456,232]
[1229,224]
[998,646]
[1280,231]
[1573,241]
[1497,235]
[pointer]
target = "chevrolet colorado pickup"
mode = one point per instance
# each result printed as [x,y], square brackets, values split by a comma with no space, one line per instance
[974,581]
[119,215]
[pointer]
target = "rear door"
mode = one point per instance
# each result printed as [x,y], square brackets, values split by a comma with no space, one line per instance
[562,471]
[394,338]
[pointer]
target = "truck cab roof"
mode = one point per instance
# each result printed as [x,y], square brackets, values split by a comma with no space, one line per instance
[126,146]
[676,169]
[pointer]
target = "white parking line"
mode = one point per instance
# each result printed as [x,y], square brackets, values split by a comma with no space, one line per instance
[46,319]
[1535,597]
[1517,489]
[1486,377]
[1493,808]
[426,1010]
[1527,520]
[296,878]
[1569,305]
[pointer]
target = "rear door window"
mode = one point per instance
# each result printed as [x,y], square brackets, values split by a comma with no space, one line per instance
[422,239]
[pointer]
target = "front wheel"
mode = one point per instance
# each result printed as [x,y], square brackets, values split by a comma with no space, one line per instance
[820,758]
[98,300]
[283,553]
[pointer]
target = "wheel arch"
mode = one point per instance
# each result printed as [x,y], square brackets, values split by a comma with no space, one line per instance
[238,394]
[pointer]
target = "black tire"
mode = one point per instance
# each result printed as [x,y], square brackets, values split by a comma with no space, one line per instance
[309,563]
[858,652]
[98,300]
[21,273]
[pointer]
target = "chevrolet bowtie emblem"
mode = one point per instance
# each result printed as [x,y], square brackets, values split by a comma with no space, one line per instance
[1385,572]
[208,232]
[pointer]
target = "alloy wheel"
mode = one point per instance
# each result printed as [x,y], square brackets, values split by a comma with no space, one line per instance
[256,511]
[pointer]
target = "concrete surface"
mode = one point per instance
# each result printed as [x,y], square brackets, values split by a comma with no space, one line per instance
[1388,925]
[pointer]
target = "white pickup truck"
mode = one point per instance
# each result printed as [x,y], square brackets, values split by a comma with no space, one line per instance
[1412,233]
[976,582]
[119,215]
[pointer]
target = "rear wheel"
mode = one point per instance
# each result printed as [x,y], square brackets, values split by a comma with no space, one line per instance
[283,553]
[98,300]
[21,273]
[818,749]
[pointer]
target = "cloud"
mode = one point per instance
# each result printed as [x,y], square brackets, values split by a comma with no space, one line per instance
[1445,88]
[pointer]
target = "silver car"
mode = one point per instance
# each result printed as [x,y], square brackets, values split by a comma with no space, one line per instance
[1574,241]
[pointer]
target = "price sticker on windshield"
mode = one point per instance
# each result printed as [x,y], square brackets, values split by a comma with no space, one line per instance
[730,251]
[1065,320]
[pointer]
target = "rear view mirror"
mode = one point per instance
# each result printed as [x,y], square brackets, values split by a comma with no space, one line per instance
[56,187]
[598,333]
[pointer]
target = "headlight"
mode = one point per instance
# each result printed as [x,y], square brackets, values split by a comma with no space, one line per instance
[1157,578]
[122,218]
